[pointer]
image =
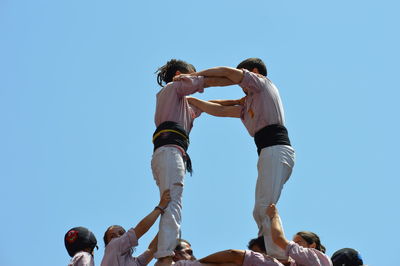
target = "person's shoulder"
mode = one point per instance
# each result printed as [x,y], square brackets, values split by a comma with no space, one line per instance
[187,263]
[81,258]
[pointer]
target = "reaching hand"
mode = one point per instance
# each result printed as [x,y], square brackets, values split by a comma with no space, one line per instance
[242,100]
[272,211]
[180,77]
[165,199]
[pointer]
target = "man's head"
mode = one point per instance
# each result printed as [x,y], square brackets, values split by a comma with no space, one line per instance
[79,239]
[183,251]
[172,68]
[254,65]
[113,231]
[257,245]
[347,257]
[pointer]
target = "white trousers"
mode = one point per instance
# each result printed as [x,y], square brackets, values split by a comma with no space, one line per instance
[169,172]
[274,165]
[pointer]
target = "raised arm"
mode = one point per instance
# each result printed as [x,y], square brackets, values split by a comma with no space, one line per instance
[276,227]
[148,255]
[216,109]
[144,225]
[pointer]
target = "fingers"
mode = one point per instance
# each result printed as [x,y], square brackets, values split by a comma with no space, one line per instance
[180,77]
[271,210]
[165,198]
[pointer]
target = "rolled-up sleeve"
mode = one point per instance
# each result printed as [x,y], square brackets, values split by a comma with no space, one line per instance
[252,81]
[126,241]
[189,85]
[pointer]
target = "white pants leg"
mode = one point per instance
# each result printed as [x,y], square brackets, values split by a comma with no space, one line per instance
[274,165]
[169,171]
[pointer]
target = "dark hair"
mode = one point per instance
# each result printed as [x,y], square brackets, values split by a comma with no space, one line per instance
[179,247]
[79,239]
[259,241]
[251,63]
[106,241]
[167,71]
[311,238]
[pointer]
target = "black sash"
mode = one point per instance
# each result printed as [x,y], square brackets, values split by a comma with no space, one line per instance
[171,133]
[270,136]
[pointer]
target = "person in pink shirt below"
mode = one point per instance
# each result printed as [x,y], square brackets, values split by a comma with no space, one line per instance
[305,249]
[119,243]
[261,112]
[80,243]
[174,118]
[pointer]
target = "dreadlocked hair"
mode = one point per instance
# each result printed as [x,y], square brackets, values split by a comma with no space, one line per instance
[167,71]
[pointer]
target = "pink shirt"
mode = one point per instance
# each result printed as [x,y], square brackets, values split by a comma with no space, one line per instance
[172,104]
[118,251]
[306,256]
[82,258]
[188,263]
[252,258]
[263,105]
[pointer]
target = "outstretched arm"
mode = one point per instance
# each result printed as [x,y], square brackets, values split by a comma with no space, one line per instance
[234,76]
[276,227]
[216,109]
[231,256]
[217,82]
[144,225]
[229,102]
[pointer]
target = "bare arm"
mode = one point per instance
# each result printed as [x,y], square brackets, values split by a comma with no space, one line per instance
[229,102]
[227,256]
[148,255]
[235,75]
[217,82]
[276,227]
[216,109]
[144,225]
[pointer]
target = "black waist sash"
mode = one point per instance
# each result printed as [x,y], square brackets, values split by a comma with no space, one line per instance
[171,133]
[270,136]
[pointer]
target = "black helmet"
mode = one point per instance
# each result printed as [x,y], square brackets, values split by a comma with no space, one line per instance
[79,238]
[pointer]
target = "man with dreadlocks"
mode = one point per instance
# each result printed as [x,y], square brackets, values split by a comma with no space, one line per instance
[174,119]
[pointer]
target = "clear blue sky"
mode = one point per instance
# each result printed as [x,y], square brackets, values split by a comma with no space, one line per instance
[77,99]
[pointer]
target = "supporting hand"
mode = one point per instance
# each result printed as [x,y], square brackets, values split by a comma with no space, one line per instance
[165,199]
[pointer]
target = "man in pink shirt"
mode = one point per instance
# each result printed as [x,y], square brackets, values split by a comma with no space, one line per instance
[119,243]
[174,119]
[261,112]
